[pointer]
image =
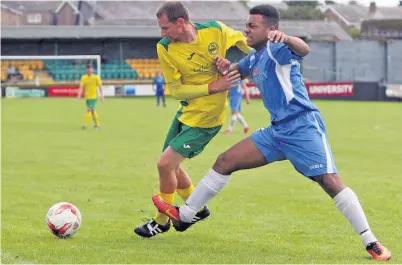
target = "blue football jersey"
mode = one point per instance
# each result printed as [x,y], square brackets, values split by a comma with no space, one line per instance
[275,70]
[159,81]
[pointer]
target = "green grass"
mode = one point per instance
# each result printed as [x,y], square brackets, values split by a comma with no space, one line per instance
[265,215]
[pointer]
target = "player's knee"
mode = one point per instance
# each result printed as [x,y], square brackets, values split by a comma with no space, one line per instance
[331,183]
[223,164]
[164,165]
[161,164]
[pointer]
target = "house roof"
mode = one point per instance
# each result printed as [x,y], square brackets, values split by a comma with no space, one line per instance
[11,9]
[38,6]
[355,14]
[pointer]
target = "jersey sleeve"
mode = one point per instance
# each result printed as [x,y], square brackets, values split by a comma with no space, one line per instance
[170,72]
[244,66]
[281,53]
[234,38]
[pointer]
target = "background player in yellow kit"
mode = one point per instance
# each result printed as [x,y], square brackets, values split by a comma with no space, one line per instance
[89,84]
[187,57]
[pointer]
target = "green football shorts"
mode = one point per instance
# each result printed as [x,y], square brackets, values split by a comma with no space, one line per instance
[91,103]
[188,141]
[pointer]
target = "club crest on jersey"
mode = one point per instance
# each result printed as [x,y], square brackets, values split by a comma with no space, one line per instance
[213,48]
[255,72]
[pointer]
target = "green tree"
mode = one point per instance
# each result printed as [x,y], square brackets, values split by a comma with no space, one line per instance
[302,12]
[354,33]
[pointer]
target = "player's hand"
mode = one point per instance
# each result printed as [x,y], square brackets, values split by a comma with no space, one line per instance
[248,101]
[277,36]
[102,99]
[222,65]
[225,82]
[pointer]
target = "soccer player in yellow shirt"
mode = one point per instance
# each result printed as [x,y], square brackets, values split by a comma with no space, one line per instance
[187,56]
[89,84]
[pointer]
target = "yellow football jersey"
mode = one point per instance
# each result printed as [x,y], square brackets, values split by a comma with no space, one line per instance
[193,64]
[90,84]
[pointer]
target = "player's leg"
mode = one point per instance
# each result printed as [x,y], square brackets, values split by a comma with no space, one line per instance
[233,106]
[188,143]
[88,115]
[233,120]
[252,152]
[185,188]
[349,205]
[164,100]
[160,223]
[243,155]
[313,158]
[246,127]
[157,99]
[240,117]
[181,142]
[167,173]
[95,117]
[184,184]
[167,165]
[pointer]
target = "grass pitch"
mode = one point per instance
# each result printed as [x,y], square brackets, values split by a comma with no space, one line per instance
[265,215]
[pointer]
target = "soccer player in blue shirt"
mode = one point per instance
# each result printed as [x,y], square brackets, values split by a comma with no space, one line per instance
[296,132]
[235,100]
[159,81]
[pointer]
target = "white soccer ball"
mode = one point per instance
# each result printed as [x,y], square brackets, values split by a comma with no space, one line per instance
[63,219]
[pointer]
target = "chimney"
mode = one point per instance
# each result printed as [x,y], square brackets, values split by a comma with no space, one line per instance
[372,8]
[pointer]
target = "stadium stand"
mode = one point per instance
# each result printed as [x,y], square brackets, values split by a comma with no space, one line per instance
[64,70]
[25,68]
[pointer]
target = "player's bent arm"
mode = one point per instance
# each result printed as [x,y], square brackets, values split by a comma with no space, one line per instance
[297,46]
[184,92]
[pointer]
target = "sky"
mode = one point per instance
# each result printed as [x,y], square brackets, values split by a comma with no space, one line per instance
[362,2]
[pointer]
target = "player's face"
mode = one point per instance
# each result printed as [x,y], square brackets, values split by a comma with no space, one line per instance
[170,30]
[256,31]
[90,70]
